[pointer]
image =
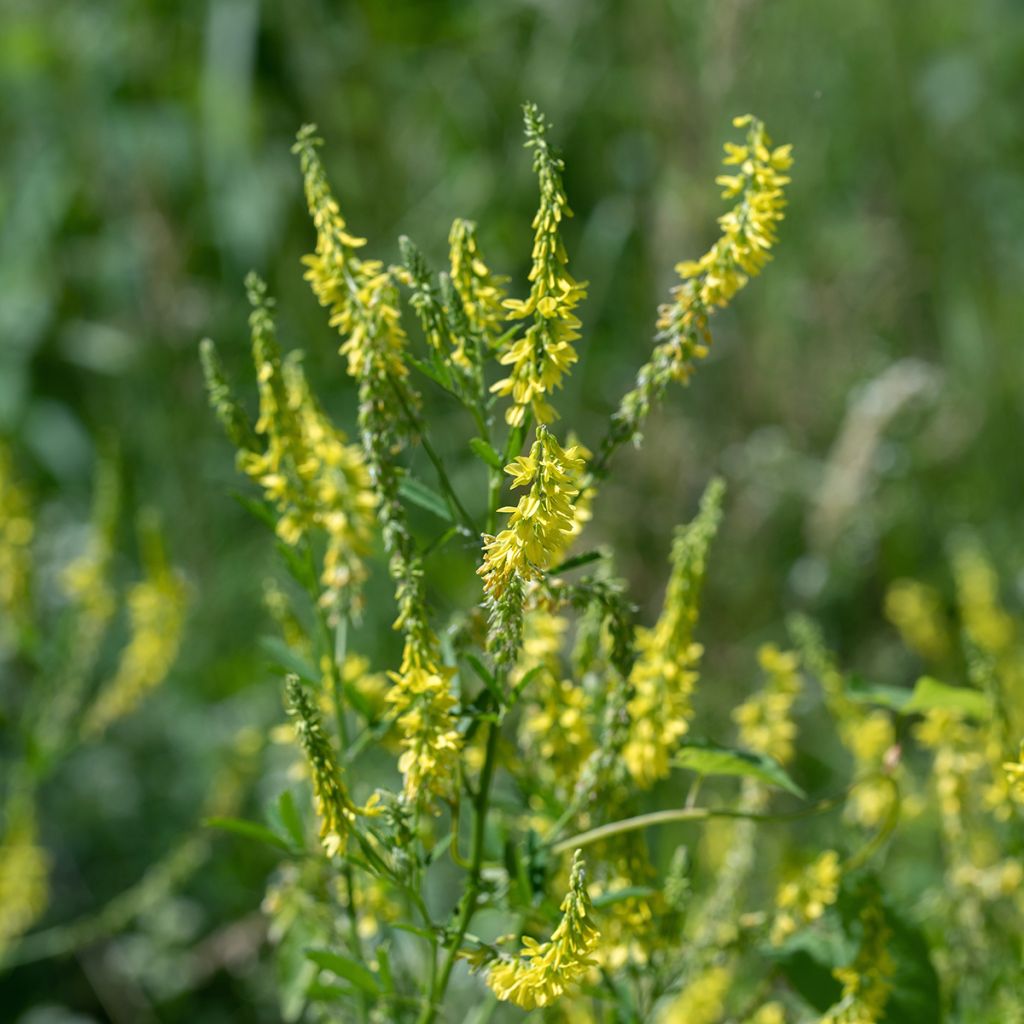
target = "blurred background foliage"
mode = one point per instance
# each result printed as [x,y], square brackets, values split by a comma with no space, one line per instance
[863,398]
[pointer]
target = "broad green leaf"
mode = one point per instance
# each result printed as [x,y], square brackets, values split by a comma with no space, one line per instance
[344,967]
[486,452]
[426,497]
[248,829]
[711,759]
[931,695]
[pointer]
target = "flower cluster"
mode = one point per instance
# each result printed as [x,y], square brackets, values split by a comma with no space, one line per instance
[24,871]
[545,353]
[748,233]
[544,970]
[334,806]
[156,611]
[766,720]
[664,674]
[315,480]
[867,981]
[805,899]
[16,532]
[481,292]
[544,518]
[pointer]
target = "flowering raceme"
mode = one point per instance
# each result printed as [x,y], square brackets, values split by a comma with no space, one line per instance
[495,748]
[545,353]
[539,525]
[544,970]
[665,674]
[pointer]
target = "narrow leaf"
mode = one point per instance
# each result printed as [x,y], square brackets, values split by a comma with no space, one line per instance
[344,967]
[486,452]
[248,829]
[426,497]
[711,759]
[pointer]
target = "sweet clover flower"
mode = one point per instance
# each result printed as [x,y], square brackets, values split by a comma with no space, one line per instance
[665,673]
[543,971]
[544,518]
[544,354]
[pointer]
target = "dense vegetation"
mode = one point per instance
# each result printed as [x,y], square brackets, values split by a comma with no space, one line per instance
[862,403]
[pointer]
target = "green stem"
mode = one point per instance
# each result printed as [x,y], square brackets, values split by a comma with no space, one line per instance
[673,815]
[455,506]
[467,906]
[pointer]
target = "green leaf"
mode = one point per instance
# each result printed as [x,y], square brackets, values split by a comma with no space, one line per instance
[344,967]
[487,679]
[290,817]
[384,965]
[893,697]
[284,657]
[486,452]
[931,695]
[630,892]
[710,759]
[426,497]
[434,373]
[248,829]
[318,992]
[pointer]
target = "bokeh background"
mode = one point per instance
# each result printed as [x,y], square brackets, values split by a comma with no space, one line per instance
[864,398]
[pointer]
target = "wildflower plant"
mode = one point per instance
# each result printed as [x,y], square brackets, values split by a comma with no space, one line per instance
[540,745]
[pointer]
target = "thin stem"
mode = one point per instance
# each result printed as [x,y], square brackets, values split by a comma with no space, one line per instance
[455,506]
[615,828]
[467,906]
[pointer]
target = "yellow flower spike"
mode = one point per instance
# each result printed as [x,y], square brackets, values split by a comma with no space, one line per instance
[156,611]
[544,519]
[665,671]
[334,806]
[308,471]
[24,872]
[866,982]
[765,719]
[544,971]
[916,611]
[805,900]
[710,283]
[430,740]
[482,293]
[17,530]
[703,1000]
[541,358]
[1014,774]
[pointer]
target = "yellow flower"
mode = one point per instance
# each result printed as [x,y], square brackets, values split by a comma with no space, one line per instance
[156,611]
[540,524]
[16,532]
[916,611]
[866,982]
[360,294]
[665,671]
[1014,773]
[431,743]
[703,1000]
[709,283]
[985,620]
[334,806]
[765,720]
[545,353]
[543,971]
[24,870]
[804,900]
[482,293]
[313,477]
